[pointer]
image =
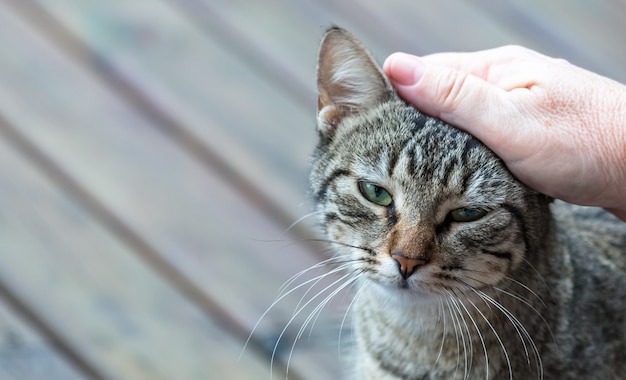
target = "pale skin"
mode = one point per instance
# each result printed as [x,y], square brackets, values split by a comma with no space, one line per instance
[559,128]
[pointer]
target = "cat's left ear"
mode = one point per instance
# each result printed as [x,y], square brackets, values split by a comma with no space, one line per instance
[348,80]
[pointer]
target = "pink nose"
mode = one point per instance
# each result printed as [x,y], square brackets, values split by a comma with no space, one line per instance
[408,265]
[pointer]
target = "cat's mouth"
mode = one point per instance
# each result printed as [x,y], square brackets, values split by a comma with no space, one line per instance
[429,280]
[406,291]
[417,282]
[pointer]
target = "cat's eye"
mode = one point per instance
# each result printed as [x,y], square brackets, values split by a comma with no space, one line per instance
[467,214]
[375,193]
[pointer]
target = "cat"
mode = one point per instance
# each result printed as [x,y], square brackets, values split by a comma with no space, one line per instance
[461,271]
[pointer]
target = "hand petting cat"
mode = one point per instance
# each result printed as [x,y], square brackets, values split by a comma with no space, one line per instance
[559,128]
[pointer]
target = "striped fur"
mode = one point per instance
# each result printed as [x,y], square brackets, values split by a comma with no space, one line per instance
[534,289]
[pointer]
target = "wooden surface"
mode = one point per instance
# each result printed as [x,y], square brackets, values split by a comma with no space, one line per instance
[153,153]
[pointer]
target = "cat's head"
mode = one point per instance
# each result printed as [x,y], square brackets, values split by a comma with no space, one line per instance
[411,202]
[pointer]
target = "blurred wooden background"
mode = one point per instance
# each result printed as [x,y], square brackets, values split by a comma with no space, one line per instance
[153,152]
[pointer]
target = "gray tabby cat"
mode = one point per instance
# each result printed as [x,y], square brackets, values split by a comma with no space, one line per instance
[461,270]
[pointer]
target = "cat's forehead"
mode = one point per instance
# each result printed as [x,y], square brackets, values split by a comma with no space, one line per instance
[395,131]
[419,156]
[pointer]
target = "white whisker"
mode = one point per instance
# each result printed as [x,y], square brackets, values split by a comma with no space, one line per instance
[527,288]
[295,314]
[482,341]
[321,306]
[524,301]
[455,323]
[318,279]
[443,336]
[518,325]
[468,366]
[293,278]
[345,316]
[292,225]
[506,354]
[539,275]
[280,298]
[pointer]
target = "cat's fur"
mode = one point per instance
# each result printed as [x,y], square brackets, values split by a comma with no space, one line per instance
[533,289]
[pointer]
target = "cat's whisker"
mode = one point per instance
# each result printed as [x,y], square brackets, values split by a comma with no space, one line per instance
[292,279]
[442,313]
[318,279]
[468,363]
[526,288]
[454,319]
[355,299]
[469,334]
[510,292]
[301,219]
[518,325]
[514,321]
[460,318]
[319,307]
[504,350]
[297,312]
[539,275]
[280,297]
[480,337]
[316,240]
[482,341]
[527,303]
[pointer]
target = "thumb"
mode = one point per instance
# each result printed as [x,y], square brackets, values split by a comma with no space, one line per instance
[456,97]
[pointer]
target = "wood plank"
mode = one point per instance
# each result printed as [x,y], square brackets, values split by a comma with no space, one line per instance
[192,220]
[25,353]
[104,302]
[586,33]
[192,77]
[123,358]
[568,29]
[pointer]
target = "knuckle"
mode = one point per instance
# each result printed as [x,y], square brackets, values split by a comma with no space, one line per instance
[516,50]
[451,90]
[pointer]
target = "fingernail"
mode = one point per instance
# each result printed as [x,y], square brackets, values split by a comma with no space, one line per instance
[404,69]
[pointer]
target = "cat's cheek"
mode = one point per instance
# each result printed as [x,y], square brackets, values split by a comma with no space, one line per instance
[492,272]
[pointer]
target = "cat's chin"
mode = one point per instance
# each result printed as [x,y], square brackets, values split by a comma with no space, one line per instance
[404,291]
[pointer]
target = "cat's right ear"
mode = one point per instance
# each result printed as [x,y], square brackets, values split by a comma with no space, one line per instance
[348,80]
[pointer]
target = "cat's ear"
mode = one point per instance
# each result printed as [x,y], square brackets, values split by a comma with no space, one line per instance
[348,80]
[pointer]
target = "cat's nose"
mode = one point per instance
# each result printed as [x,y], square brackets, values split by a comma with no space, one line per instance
[408,265]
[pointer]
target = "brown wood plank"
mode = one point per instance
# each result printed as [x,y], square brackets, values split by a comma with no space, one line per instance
[188,219]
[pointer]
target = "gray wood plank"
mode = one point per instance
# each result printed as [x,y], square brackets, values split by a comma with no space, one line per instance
[85,283]
[102,301]
[193,220]
[191,76]
[25,354]
[586,33]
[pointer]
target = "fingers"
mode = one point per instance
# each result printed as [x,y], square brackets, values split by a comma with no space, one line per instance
[506,67]
[454,96]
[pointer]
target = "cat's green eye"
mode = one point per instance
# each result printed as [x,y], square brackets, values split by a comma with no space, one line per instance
[375,193]
[467,214]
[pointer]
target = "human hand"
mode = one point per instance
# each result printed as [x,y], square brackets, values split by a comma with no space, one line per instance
[559,128]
